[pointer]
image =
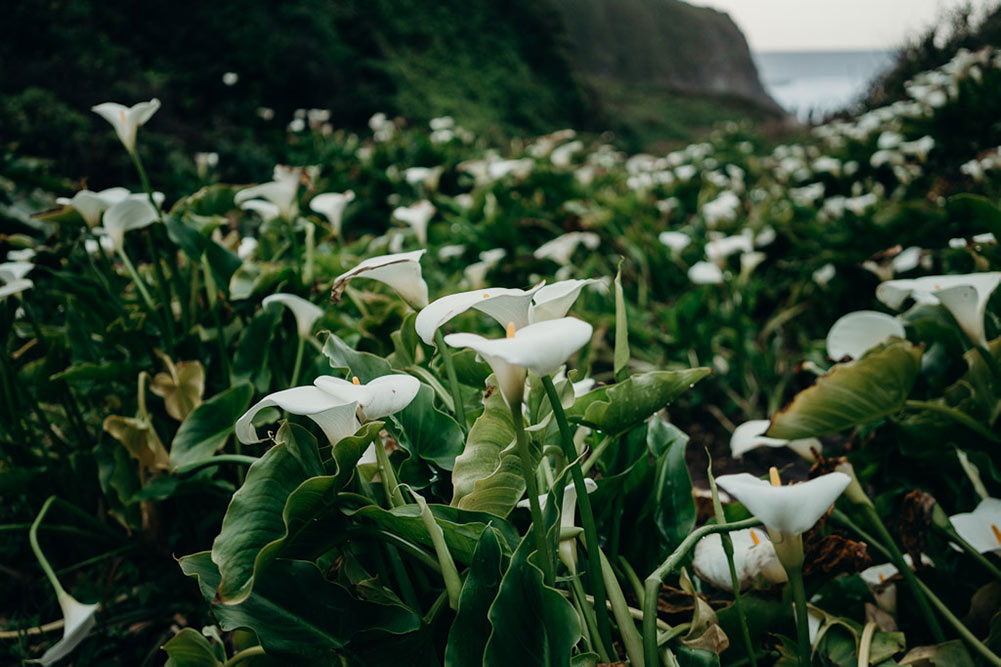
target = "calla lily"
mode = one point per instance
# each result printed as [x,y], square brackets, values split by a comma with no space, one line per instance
[23,255]
[281,192]
[306,313]
[981,527]
[786,510]
[753,558]
[568,550]
[554,301]
[332,205]
[965,296]
[561,249]
[15,287]
[418,216]
[719,249]
[78,619]
[751,435]
[878,577]
[126,120]
[401,271]
[379,398]
[90,205]
[335,418]
[265,209]
[541,348]
[856,333]
[248,245]
[12,271]
[133,212]
[676,241]
[476,273]
[705,273]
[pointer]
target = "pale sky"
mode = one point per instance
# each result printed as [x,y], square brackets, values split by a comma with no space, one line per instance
[817,25]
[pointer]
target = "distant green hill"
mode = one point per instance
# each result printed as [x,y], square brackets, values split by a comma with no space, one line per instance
[649,69]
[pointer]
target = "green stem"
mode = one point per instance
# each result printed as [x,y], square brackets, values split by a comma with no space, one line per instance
[240,656]
[99,558]
[139,283]
[298,360]
[627,626]
[165,293]
[532,489]
[7,369]
[586,511]
[653,582]
[392,487]
[453,379]
[587,611]
[990,360]
[912,581]
[189,468]
[411,549]
[802,615]
[134,154]
[596,454]
[955,415]
[42,560]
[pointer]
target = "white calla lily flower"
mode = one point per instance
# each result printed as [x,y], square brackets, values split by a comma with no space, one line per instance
[90,205]
[719,249]
[878,579]
[126,120]
[281,192]
[132,212]
[306,313]
[676,241]
[856,333]
[705,273]
[335,418]
[753,558]
[417,216]
[332,205]
[401,271]
[751,435]
[981,527]
[562,248]
[551,302]
[786,510]
[965,296]
[503,304]
[568,549]
[12,271]
[23,255]
[379,398]
[540,348]
[78,620]
[15,287]
[265,209]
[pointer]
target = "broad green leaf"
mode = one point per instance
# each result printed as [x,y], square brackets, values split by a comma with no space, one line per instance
[189,648]
[223,264]
[532,624]
[296,612]
[207,428]
[108,371]
[674,505]
[885,645]
[621,357]
[616,408]
[850,394]
[426,432]
[251,360]
[467,637]
[981,213]
[186,237]
[487,475]
[365,366]
[216,199]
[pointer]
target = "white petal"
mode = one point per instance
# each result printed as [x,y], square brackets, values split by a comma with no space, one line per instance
[856,333]
[676,241]
[401,271]
[504,305]
[705,273]
[335,418]
[554,301]
[281,192]
[418,216]
[332,205]
[12,271]
[789,510]
[561,249]
[133,212]
[751,559]
[982,526]
[265,209]
[379,398]
[127,120]
[306,313]
[907,260]
[79,621]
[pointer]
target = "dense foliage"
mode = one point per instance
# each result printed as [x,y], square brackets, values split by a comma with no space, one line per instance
[285,388]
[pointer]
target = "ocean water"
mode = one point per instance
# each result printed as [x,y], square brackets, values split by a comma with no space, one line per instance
[813,83]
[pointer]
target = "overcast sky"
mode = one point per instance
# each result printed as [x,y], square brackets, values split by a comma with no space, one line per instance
[817,25]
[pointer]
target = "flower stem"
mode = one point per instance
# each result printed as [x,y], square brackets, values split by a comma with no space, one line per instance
[140,284]
[586,512]
[587,611]
[219,459]
[532,489]
[453,380]
[955,415]
[298,360]
[42,560]
[393,494]
[134,154]
[802,616]
[627,626]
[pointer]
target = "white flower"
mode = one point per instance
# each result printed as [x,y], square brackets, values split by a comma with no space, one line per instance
[379,398]
[78,619]
[568,550]
[447,252]
[981,527]
[753,557]
[14,287]
[417,216]
[562,155]
[965,296]
[561,248]
[90,205]
[11,271]
[401,271]
[23,255]
[540,348]
[230,78]
[280,192]
[265,209]
[476,273]
[856,333]
[907,260]
[676,241]
[718,250]
[786,510]
[824,274]
[426,176]
[126,120]
[335,418]
[248,244]
[878,577]
[722,209]
[705,273]
[332,205]
[132,212]
[306,313]
[751,435]
[554,301]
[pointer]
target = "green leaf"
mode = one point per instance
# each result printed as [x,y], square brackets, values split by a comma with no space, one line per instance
[108,371]
[207,428]
[223,264]
[674,505]
[850,394]
[189,648]
[296,612]
[885,645]
[532,623]
[948,654]
[251,360]
[487,475]
[621,358]
[365,366]
[616,408]
[468,635]
[186,237]
[977,210]
[426,432]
